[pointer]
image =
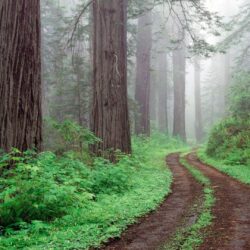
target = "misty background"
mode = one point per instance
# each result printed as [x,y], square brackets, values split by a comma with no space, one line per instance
[66,86]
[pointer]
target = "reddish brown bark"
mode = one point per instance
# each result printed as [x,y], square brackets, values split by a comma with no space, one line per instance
[198,114]
[142,92]
[227,81]
[110,119]
[163,90]
[179,65]
[20,75]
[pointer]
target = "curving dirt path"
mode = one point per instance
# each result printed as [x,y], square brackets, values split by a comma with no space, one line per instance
[231,227]
[152,231]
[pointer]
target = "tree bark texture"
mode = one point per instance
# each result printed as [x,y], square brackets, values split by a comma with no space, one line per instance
[20,75]
[227,81]
[110,119]
[197,89]
[179,75]
[153,100]
[163,90]
[143,56]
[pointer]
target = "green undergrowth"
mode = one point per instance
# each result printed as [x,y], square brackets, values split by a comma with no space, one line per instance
[52,202]
[237,171]
[191,237]
[229,142]
[228,146]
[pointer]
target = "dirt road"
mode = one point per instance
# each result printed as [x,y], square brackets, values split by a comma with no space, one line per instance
[231,226]
[230,229]
[152,231]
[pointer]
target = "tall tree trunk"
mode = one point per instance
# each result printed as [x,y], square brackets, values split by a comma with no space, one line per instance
[163,84]
[20,75]
[197,89]
[227,80]
[79,103]
[153,99]
[213,101]
[179,67]
[143,56]
[110,118]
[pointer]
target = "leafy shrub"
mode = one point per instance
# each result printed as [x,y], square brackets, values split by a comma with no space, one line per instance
[40,187]
[230,141]
[240,96]
[44,187]
[111,178]
[67,135]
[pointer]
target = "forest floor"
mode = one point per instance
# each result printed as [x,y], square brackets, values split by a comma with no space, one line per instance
[230,227]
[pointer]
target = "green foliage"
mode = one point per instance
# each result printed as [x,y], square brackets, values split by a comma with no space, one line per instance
[73,133]
[239,172]
[33,190]
[67,135]
[229,141]
[240,96]
[112,178]
[89,203]
[143,145]
[40,187]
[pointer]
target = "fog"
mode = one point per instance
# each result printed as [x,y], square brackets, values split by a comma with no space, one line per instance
[213,75]
[172,28]
[114,112]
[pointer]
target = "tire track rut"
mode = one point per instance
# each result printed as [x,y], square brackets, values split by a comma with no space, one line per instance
[153,230]
[230,229]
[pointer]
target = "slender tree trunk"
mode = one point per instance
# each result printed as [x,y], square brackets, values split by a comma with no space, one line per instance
[197,89]
[20,75]
[80,104]
[163,84]
[212,116]
[110,119]
[143,56]
[227,81]
[179,67]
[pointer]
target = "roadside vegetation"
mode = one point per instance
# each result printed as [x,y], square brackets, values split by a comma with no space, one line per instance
[75,202]
[228,147]
[239,172]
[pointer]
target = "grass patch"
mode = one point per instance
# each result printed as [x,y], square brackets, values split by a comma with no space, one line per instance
[239,172]
[192,236]
[102,207]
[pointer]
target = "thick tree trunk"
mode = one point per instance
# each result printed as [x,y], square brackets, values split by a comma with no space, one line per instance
[143,56]
[163,85]
[153,99]
[179,66]
[197,89]
[110,119]
[20,75]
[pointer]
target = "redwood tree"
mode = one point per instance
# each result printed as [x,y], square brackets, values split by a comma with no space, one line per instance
[197,94]
[142,92]
[179,75]
[110,119]
[20,75]
[163,92]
